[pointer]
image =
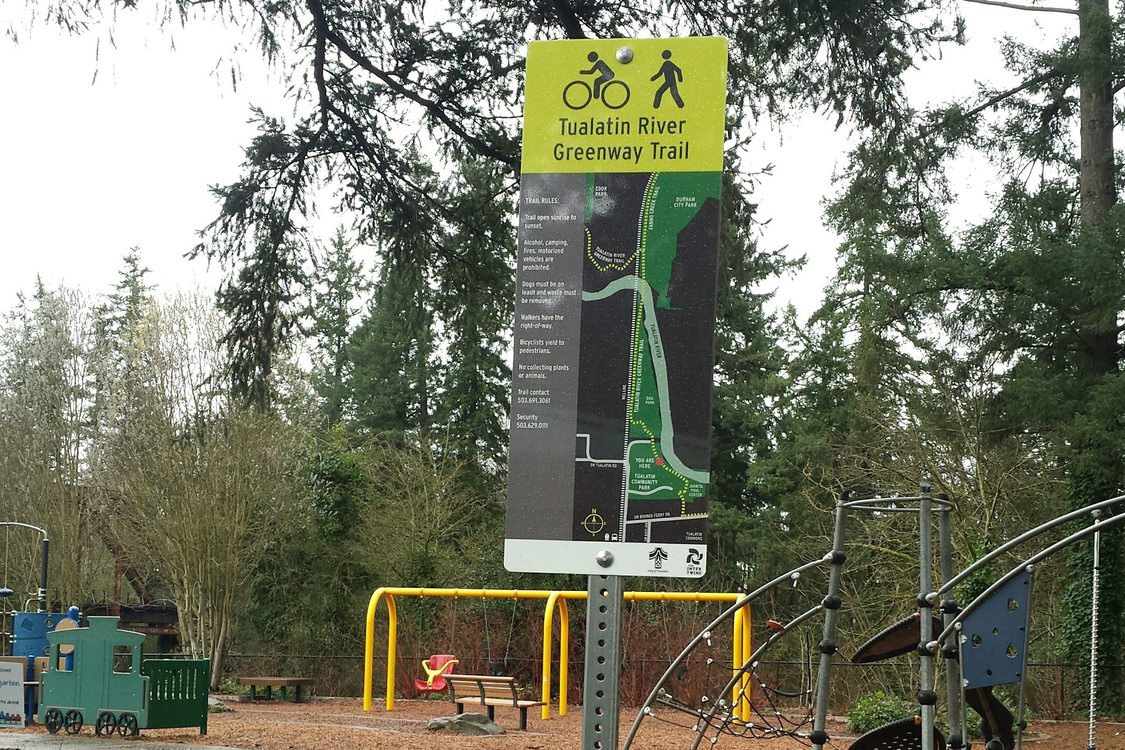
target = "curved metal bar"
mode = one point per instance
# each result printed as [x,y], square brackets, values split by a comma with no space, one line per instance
[776,636]
[694,642]
[1044,553]
[44,552]
[940,504]
[1030,534]
[555,600]
[26,526]
[369,647]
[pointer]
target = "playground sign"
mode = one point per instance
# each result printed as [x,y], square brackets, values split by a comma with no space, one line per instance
[12,708]
[609,463]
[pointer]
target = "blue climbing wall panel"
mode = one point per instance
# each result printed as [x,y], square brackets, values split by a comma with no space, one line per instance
[29,632]
[994,636]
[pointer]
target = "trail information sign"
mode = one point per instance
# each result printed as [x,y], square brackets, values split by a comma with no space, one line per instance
[615,306]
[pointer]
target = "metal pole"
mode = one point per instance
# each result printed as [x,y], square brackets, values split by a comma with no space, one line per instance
[927,698]
[819,735]
[41,594]
[43,574]
[948,610]
[601,703]
[1021,711]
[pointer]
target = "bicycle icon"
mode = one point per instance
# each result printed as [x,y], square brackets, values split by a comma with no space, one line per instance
[578,94]
[614,94]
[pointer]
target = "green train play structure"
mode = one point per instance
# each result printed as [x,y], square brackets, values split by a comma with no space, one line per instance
[95,675]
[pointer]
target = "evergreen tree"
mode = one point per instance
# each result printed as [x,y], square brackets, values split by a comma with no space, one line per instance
[336,283]
[748,490]
[361,69]
[474,303]
[1034,291]
[116,323]
[261,305]
[393,377]
[45,432]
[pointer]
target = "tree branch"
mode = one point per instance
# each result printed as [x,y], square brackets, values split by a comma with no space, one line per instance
[994,100]
[482,147]
[568,20]
[1018,6]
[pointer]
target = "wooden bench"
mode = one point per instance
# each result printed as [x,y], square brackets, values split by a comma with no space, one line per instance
[487,691]
[269,683]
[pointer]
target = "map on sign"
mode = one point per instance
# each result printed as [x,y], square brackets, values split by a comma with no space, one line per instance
[647,311]
[615,306]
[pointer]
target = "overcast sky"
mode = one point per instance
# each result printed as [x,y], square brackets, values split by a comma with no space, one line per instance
[95,165]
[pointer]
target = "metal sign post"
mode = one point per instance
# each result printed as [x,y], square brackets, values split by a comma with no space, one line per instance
[601,710]
[616,267]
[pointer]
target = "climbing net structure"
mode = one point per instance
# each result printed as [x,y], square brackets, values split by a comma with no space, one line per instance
[736,701]
[740,702]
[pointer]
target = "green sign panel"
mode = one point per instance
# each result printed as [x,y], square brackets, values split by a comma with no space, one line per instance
[615,307]
[625,105]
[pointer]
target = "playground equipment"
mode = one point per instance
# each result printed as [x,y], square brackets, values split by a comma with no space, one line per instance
[436,668]
[26,630]
[984,643]
[714,715]
[554,600]
[905,636]
[108,683]
[996,613]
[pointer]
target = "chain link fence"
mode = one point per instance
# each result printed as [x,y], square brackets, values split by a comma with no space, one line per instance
[1053,690]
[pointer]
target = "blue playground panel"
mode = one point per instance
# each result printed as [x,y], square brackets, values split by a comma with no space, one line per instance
[994,636]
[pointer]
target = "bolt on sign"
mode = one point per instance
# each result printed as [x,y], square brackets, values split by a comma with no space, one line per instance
[609,463]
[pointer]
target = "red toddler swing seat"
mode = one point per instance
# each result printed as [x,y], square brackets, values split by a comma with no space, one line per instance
[437,666]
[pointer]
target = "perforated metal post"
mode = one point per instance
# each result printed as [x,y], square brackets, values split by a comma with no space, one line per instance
[601,705]
[41,595]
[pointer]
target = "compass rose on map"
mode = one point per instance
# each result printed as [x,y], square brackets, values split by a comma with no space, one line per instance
[594,522]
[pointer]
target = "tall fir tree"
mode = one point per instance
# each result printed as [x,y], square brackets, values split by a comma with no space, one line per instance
[1034,290]
[393,378]
[338,283]
[474,302]
[116,322]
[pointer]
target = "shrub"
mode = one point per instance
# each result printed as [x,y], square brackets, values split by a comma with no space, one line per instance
[876,709]
[229,687]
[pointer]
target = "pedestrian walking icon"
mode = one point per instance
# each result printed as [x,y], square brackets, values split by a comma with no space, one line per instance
[672,76]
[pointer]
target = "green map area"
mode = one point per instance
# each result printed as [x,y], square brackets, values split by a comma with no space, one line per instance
[650,242]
